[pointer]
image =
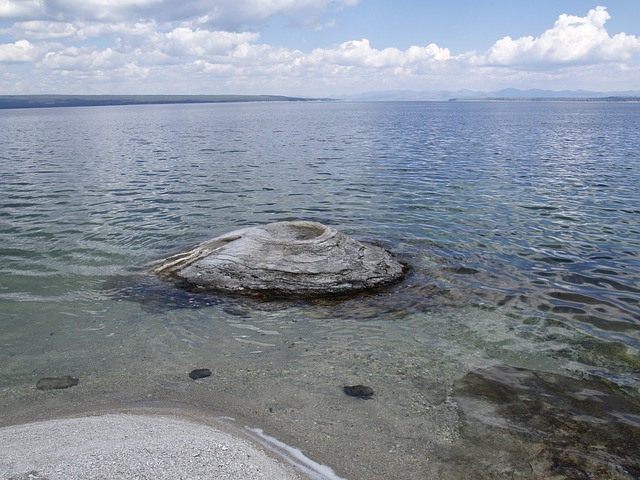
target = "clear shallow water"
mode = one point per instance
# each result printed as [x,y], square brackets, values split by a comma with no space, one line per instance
[521,222]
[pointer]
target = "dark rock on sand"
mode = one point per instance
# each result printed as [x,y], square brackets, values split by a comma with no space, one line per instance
[288,259]
[358,391]
[200,373]
[56,383]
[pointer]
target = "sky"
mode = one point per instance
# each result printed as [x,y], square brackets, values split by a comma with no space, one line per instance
[316,48]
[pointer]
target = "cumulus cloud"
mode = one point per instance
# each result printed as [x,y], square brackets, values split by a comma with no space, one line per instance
[21,51]
[83,59]
[359,53]
[42,30]
[572,39]
[197,46]
[200,43]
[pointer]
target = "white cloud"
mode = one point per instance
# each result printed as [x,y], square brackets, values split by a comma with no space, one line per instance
[42,30]
[179,47]
[219,14]
[359,53]
[99,10]
[200,43]
[21,51]
[18,9]
[236,54]
[572,40]
[83,60]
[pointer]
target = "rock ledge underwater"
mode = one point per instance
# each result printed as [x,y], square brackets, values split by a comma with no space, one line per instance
[285,259]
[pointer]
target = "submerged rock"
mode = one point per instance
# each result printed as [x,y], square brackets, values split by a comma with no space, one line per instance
[299,259]
[574,428]
[56,383]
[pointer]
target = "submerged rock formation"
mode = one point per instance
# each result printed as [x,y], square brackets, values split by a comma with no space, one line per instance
[301,259]
[567,427]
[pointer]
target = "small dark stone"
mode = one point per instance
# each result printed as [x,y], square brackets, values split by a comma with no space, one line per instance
[358,391]
[56,383]
[200,373]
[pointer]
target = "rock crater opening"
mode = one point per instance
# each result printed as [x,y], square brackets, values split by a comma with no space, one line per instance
[296,231]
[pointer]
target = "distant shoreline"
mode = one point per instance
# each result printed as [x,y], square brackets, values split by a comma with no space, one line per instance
[59,101]
[549,99]
[52,101]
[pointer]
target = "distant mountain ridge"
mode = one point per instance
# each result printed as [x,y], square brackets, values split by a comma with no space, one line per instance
[506,93]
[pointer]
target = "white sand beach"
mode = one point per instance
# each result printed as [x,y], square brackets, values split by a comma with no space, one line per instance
[124,446]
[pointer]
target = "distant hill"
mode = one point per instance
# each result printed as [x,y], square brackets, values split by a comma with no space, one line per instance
[504,94]
[42,101]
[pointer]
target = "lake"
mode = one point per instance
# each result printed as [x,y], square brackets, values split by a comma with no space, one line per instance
[520,222]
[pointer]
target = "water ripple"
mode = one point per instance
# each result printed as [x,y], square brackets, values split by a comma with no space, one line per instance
[526,207]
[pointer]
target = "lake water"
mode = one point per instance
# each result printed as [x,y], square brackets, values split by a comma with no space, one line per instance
[520,221]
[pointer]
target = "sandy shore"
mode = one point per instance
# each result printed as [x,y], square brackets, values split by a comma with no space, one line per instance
[125,446]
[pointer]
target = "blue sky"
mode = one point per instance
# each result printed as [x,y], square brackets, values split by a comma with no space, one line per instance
[460,25]
[316,47]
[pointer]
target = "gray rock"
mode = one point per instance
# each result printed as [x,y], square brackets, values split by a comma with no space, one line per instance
[301,259]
